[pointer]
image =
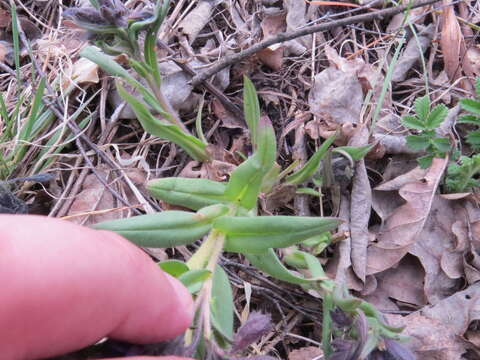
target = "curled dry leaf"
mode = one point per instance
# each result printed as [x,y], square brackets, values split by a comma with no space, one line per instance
[451,41]
[360,206]
[404,224]
[273,55]
[196,20]
[436,332]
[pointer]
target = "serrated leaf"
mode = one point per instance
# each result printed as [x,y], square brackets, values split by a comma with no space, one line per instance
[473,138]
[193,146]
[312,165]
[166,228]
[436,117]
[441,144]
[471,105]
[425,161]
[418,142]
[412,122]
[246,181]
[174,267]
[259,233]
[251,108]
[422,108]
[194,279]
[469,119]
[191,193]
[222,304]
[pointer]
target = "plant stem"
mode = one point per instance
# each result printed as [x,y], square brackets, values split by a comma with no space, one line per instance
[327,323]
[166,105]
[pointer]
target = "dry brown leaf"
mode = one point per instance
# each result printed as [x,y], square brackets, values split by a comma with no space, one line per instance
[412,53]
[5,18]
[272,25]
[336,97]
[436,332]
[471,61]
[360,206]
[85,71]
[435,247]
[94,196]
[451,41]
[404,224]
[5,49]
[403,283]
[305,353]
[195,21]
[226,117]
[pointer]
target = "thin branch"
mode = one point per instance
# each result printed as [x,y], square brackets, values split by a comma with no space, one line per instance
[286,36]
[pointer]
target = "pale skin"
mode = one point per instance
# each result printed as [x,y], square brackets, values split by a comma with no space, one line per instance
[64,287]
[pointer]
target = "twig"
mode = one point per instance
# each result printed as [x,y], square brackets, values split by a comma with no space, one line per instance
[285,36]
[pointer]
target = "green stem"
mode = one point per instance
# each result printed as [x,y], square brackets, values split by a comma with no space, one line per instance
[327,324]
[201,257]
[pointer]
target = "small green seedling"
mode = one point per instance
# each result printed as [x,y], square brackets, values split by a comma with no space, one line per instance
[461,175]
[115,31]
[426,121]
[473,107]
[225,216]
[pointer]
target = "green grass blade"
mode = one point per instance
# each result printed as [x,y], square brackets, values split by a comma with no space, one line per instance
[251,109]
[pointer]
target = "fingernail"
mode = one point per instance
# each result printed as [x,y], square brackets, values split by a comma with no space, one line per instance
[183,295]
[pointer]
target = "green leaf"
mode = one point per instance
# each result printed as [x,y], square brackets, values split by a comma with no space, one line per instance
[436,117]
[107,63]
[469,119]
[166,228]
[246,181]
[312,165]
[412,122]
[425,161]
[477,86]
[174,267]
[307,191]
[194,279]
[193,146]
[251,109]
[471,105]
[222,304]
[191,193]
[473,138]
[304,260]
[269,263]
[259,233]
[422,108]
[418,142]
[355,152]
[441,144]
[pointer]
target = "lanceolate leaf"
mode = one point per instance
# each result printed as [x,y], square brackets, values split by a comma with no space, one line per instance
[222,304]
[165,229]
[107,63]
[269,263]
[251,109]
[246,181]
[193,146]
[355,152]
[193,279]
[312,165]
[191,193]
[259,233]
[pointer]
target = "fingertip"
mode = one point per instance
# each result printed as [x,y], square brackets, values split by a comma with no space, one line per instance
[185,302]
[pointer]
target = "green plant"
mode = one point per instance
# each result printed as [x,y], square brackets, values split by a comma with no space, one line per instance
[116,31]
[426,121]
[461,176]
[226,214]
[473,107]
